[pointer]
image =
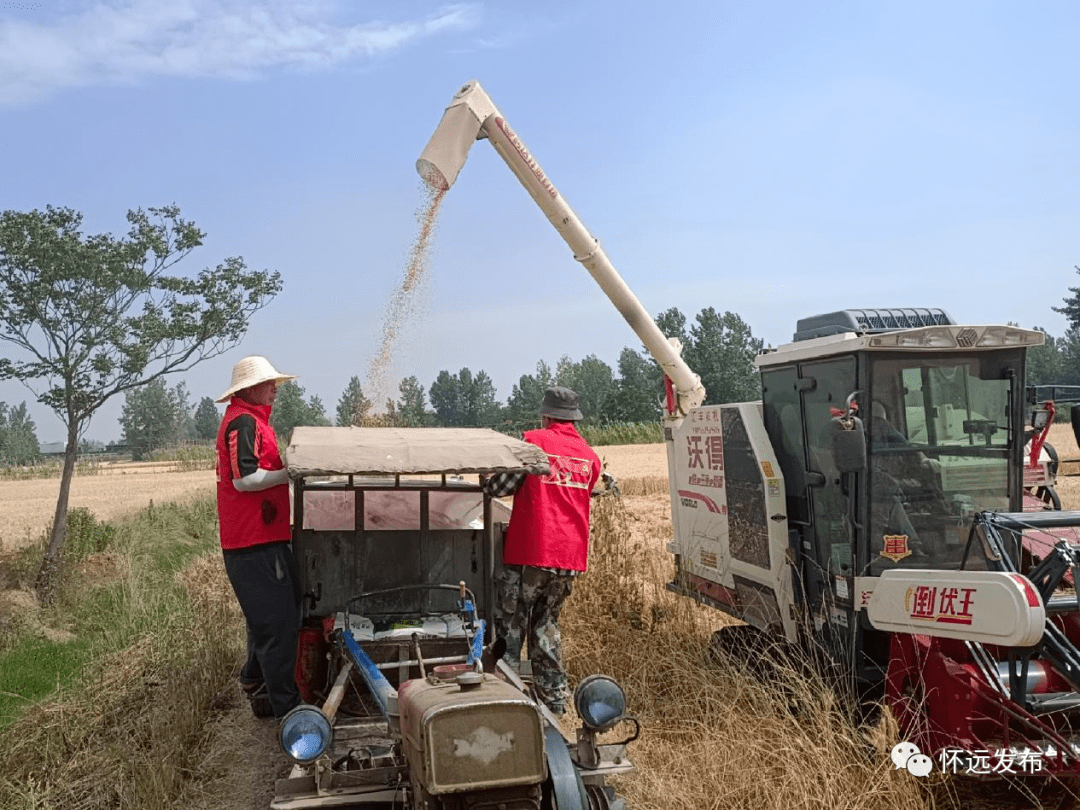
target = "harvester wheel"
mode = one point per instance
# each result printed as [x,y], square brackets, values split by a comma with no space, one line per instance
[746,644]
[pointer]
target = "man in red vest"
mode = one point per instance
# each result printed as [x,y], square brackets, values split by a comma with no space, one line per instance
[547,545]
[253,516]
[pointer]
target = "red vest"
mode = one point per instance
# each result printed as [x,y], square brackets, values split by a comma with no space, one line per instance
[240,514]
[549,526]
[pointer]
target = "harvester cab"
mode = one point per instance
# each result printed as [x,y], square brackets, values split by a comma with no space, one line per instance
[870,506]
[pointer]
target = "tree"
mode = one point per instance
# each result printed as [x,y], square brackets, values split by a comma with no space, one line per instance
[638,390]
[523,404]
[353,405]
[1045,363]
[290,410]
[89,317]
[206,420]
[1071,310]
[464,400]
[411,408]
[155,416]
[483,404]
[722,351]
[148,418]
[446,399]
[672,324]
[592,380]
[1069,349]
[183,424]
[18,436]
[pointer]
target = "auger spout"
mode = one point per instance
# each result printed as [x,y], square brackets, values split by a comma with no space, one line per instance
[472,115]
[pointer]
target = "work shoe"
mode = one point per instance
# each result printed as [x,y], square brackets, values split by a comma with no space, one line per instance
[258,698]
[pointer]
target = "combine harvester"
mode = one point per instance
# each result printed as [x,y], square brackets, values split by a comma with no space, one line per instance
[900,553]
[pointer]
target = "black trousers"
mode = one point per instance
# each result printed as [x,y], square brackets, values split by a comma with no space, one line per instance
[267,586]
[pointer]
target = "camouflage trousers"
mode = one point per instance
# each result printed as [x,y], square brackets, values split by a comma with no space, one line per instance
[528,602]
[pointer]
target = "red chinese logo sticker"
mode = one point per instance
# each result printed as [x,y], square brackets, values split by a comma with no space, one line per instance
[895,547]
[944,604]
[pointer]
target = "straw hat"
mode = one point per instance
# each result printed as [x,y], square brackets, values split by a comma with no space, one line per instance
[252,371]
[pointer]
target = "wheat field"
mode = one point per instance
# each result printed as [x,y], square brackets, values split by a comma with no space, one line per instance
[28,506]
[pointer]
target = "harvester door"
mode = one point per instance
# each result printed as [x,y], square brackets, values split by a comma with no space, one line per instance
[828,543]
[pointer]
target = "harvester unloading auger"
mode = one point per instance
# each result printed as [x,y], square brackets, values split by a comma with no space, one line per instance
[870,507]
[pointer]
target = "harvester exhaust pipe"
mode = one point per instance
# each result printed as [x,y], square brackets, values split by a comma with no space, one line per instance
[472,115]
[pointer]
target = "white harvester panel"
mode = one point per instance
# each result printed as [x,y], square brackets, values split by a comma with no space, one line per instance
[730,513]
[991,607]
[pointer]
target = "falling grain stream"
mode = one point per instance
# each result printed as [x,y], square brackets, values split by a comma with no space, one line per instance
[402,304]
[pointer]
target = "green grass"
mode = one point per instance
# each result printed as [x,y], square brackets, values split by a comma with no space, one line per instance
[622,433]
[34,669]
[188,457]
[50,468]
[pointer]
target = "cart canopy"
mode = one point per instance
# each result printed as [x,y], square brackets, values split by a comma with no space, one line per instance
[408,451]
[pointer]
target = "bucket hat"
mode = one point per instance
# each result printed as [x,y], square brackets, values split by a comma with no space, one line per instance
[560,403]
[251,371]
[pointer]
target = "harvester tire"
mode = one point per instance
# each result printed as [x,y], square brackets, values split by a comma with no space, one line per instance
[746,644]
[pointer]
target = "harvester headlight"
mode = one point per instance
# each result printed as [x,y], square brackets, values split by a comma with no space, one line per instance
[600,702]
[1010,336]
[305,734]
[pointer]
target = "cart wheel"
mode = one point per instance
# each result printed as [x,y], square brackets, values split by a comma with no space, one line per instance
[1049,496]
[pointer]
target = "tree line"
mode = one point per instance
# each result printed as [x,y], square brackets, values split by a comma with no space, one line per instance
[89,317]
[719,347]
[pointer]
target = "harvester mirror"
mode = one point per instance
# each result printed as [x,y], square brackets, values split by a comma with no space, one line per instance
[1039,418]
[848,444]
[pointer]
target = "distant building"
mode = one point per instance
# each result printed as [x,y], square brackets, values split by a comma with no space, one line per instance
[51,448]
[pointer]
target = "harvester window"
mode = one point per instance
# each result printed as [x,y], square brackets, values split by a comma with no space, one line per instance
[834,380]
[783,421]
[947,458]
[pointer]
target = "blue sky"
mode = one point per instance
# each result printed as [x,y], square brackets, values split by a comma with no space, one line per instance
[773,159]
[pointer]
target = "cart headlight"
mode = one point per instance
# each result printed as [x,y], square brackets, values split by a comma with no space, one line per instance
[305,734]
[600,702]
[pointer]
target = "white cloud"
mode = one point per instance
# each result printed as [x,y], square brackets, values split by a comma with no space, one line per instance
[128,41]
